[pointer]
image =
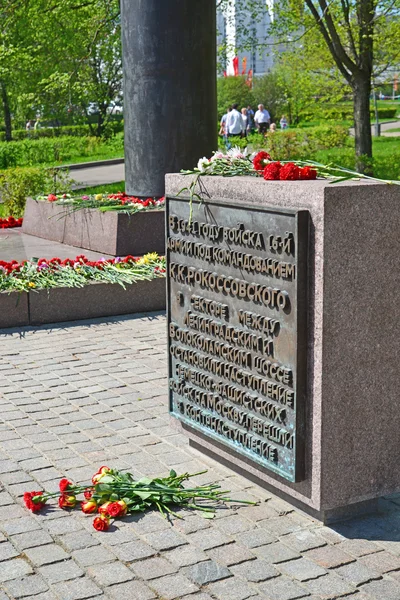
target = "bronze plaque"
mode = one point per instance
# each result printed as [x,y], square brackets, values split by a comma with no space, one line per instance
[237,327]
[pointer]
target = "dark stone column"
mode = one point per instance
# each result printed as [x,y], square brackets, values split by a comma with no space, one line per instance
[170,114]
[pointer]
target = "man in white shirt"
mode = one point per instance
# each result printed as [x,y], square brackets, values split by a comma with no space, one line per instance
[262,119]
[235,122]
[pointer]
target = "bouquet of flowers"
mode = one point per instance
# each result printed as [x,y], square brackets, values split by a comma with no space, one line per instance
[113,494]
[119,202]
[10,222]
[49,273]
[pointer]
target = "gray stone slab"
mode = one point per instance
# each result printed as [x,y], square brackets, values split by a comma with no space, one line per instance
[96,300]
[111,233]
[14,310]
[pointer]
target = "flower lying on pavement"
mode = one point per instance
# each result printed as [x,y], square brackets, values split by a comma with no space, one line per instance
[115,494]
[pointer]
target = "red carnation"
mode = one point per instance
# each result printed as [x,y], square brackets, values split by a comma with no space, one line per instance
[308,173]
[101,523]
[272,170]
[65,485]
[259,161]
[289,172]
[51,198]
[32,501]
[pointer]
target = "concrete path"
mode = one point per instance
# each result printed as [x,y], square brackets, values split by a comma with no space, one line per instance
[98,175]
[77,396]
[385,127]
[15,245]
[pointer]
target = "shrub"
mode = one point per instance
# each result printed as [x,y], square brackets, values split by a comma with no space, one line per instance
[112,128]
[19,183]
[30,152]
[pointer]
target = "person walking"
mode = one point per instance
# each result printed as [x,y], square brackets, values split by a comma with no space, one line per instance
[234,122]
[262,119]
[283,122]
[250,119]
[223,129]
[245,122]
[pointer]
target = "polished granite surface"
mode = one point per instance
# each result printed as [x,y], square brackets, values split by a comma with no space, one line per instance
[15,245]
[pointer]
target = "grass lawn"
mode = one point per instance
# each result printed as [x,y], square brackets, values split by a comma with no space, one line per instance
[386,157]
[109,188]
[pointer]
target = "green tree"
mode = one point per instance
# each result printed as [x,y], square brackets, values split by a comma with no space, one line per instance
[233,90]
[60,57]
[361,37]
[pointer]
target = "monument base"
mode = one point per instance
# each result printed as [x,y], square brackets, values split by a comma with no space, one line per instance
[228,387]
[94,300]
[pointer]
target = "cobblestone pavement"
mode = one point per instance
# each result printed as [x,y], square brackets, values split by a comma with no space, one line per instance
[77,396]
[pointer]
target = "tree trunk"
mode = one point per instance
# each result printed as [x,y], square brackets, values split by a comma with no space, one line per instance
[7,111]
[362,124]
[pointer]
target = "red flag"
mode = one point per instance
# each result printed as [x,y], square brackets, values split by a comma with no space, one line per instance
[244,65]
[235,62]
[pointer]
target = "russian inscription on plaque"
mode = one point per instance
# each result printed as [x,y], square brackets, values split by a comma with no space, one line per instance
[237,282]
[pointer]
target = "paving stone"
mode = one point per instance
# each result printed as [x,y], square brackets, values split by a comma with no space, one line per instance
[7,551]
[384,589]
[29,539]
[255,537]
[93,556]
[55,573]
[173,586]
[110,573]
[152,568]
[20,525]
[211,538]
[206,572]
[282,588]
[77,589]
[329,586]
[231,554]
[78,540]
[284,524]
[276,553]
[255,570]
[329,557]
[45,555]
[303,540]
[234,589]
[131,590]
[357,573]
[164,540]
[134,551]
[149,523]
[234,524]
[184,556]
[199,596]
[302,569]
[359,547]
[382,562]
[15,568]
[26,586]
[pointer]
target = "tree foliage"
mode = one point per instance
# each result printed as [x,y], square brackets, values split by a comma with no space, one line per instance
[59,59]
[352,41]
